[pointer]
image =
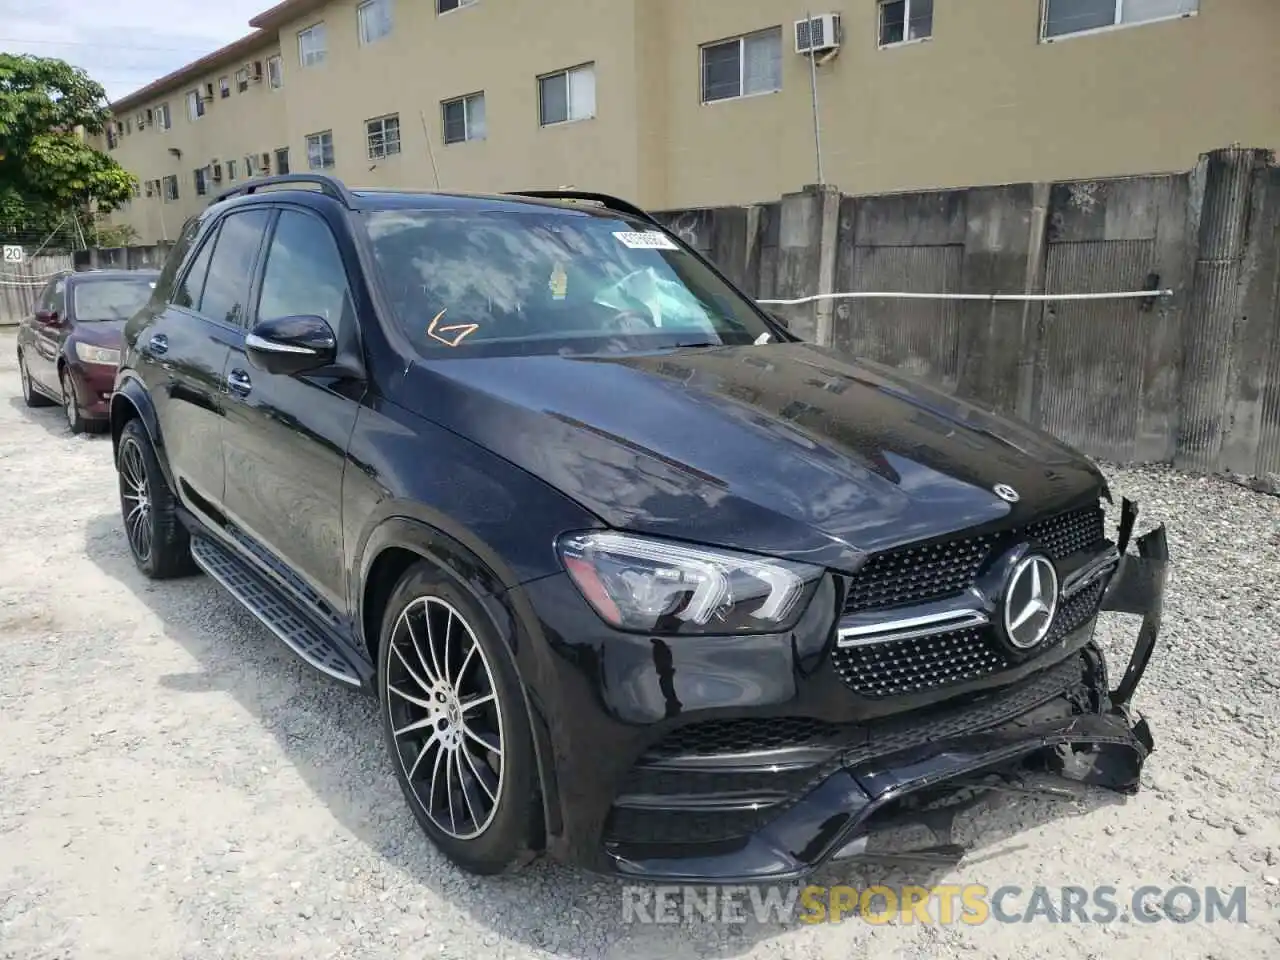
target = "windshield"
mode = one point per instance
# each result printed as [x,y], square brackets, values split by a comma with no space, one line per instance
[550,281]
[111,299]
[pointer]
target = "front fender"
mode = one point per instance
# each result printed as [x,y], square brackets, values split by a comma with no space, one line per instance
[131,399]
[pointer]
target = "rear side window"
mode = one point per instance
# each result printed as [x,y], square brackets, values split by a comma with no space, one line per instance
[304,275]
[177,255]
[110,299]
[191,285]
[226,288]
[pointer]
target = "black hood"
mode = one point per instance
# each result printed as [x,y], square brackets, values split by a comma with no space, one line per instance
[785,449]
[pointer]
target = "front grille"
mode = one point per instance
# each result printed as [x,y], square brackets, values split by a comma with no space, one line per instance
[742,736]
[922,664]
[932,571]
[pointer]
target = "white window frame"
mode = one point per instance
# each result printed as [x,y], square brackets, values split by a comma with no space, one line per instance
[1117,22]
[275,77]
[316,56]
[163,111]
[361,33]
[568,73]
[467,100]
[242,80]
[318,137]
[741,41]
[906,25]
[165,183]
[457,5]
[231,170]
[195,105]
[381,123]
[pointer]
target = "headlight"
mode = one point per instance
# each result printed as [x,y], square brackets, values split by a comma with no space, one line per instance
[657,586]
[91,354]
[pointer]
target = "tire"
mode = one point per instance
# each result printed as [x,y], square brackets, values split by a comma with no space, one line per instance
[496,802]
[76,423]
[30,395]
[158,542]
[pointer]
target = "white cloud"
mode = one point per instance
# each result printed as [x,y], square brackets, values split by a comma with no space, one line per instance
[126,44]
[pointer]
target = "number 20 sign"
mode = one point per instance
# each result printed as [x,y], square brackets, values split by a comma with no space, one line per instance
[12,254]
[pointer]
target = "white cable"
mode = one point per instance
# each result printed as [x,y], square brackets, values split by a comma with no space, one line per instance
[987,297]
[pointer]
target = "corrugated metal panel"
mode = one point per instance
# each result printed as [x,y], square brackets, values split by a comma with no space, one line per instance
[918,337]
[1093,351]
[20,284]
[1269,439]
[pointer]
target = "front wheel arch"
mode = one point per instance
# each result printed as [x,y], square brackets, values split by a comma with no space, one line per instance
[399,543]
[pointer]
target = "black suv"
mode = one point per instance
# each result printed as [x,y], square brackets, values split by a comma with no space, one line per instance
[639,579]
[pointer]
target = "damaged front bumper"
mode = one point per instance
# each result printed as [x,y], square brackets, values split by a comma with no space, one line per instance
[1068,721]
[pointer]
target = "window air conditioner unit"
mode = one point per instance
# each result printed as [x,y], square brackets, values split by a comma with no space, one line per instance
[819,34]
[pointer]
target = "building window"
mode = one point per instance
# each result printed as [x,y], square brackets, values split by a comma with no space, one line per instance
[743,66]
[202,184]
[313,45]
[384,136]
[275,72]
[374,19]
[162,117]
[902,21]
[282,160]
[320,150]
[195,105]
[1064,17]
[447,6]
[567,95]
[250,165]
[464,119]
[242,80]
[224,87]
[111,137]
[128,125]
[171,187]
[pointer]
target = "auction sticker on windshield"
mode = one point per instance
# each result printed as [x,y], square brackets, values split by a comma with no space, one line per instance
[646,240]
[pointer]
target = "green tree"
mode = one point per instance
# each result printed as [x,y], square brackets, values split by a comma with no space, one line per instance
[48,169]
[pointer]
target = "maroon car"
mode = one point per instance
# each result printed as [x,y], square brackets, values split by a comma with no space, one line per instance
[69,348]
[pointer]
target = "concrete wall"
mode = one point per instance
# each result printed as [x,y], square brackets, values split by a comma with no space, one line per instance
[983,100]
[1192,379]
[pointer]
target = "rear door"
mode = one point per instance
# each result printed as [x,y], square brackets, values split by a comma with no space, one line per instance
[48,338]
[286,437]
[183,354]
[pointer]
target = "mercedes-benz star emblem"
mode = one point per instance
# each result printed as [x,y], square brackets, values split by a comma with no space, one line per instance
[1005,492]
[1030,601]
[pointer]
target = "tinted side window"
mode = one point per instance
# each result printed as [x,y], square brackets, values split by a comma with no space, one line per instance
[46,296]
[304,275]
[176,256]
[187,293]
[227,287]
[58,300]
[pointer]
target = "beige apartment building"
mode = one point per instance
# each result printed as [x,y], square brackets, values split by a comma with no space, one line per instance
[683,103]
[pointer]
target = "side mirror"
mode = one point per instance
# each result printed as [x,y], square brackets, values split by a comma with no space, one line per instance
[48,317]
[290,345]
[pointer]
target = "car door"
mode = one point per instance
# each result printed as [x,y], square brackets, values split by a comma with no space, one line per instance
[48,337]
[285,437]
[183,354]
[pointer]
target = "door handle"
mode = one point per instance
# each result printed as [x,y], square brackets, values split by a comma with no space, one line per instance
[238,382]
[159,343]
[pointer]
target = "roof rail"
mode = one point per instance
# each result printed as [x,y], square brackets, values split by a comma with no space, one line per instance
[606,201]
[329,186]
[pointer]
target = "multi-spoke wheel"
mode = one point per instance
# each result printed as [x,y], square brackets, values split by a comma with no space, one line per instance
[456,724]
[157,540]
[70,405]
[30,395]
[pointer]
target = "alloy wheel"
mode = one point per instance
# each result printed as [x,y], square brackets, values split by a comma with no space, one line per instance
[136,498]
[446,719]
[69,402]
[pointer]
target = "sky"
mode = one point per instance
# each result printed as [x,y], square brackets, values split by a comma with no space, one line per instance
[124,44]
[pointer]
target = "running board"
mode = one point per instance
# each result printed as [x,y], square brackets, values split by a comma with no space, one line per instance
[279,615]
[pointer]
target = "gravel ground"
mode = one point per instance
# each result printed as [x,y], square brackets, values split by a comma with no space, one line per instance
[173,783]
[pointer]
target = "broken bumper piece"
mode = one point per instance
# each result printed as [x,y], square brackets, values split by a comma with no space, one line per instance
[1082,730]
